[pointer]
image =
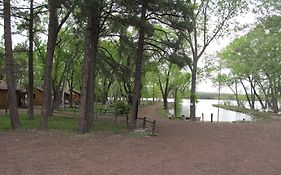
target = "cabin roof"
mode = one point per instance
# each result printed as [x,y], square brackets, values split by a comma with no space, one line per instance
[4,86]
[74,91]
[39,88]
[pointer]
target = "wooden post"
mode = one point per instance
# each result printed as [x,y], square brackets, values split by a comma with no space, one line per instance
[153,127]
[211,117]
[127,120]
[137,109]
[202,117]
[144,123]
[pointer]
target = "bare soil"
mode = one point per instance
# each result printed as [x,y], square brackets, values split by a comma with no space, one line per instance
[180,148]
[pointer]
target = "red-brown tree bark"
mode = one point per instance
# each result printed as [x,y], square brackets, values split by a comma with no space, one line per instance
[138,69]
[9,65]
[52,37]
[30,63]
[89,69]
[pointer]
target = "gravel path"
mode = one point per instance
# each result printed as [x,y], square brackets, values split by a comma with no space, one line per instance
[180,148]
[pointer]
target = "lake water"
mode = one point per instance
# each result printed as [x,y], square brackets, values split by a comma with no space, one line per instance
[205,106]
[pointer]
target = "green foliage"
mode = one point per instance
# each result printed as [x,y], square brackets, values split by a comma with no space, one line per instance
[256,58]
[121,106]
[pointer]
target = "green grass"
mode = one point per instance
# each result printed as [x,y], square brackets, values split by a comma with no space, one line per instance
[147,103]
[256,114]
[66,124]
[162,112]
[68,109]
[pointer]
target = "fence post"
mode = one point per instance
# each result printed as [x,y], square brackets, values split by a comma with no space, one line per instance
[144,123]
[202,117]
[211,117]
[153,127]
[127,119]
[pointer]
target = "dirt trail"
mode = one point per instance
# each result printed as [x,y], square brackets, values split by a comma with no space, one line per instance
[180,148]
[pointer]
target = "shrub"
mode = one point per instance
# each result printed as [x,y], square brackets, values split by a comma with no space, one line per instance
[121,107]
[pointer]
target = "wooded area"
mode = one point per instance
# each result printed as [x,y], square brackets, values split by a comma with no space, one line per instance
[107,50]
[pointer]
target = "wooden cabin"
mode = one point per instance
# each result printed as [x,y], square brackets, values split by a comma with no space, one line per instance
[3,98]
[20,92]
[75,97]
[38,96]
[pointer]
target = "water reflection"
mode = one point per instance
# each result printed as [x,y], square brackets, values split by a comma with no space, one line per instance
[205,106]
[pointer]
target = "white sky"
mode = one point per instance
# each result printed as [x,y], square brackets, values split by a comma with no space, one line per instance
[217,45]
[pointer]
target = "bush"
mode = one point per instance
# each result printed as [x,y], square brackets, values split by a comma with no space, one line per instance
[121,107]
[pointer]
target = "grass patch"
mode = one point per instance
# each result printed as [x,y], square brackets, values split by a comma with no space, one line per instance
[256,114]
[69,109]
[66,124]
[163,113]
[141,133]
[147,103]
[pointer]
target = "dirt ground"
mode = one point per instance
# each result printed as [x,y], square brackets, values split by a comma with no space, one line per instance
[180,148]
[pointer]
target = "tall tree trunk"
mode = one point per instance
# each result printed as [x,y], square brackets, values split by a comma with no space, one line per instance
[52,37]
[30,64]
[263,89]
[89,70]
[13,107]
[58,94]
[253,99]
[257,95]
[274,100]
[165,101]
[130,99]
[176,102]
[70,84]
[85,76]
[193,91]
[235,92]
[153,93]
[247,95]
[107,83]
[166,88]
[239,103]
[274,104]
[138,69]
